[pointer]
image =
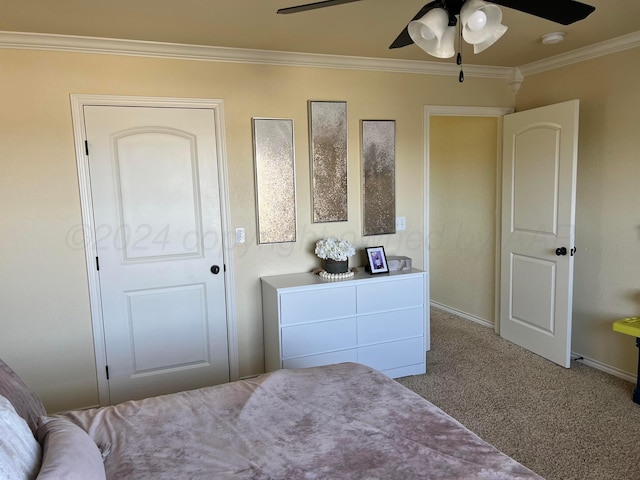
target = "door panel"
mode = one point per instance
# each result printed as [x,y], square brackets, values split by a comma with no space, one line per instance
[538,217]
[535,179]
[169,320]
[533,307]
[154,184]
[158,214]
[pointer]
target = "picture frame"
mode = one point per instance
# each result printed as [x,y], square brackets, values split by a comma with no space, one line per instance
[377,260]
[275,179]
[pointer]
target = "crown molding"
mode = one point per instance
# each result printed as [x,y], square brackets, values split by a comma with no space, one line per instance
[179,51]
[79,44]
[596,50]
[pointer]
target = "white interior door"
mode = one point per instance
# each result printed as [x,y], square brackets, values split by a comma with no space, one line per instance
[538,217]
[156,205]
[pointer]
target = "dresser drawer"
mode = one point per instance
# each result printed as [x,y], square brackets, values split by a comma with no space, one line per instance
[318,337]
[318,304]
[393,325]
[341,356]
[390,295]
[386,356]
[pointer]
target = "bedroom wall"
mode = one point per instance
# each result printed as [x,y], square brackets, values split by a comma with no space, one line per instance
[462,202]
[44,308]
[607,278]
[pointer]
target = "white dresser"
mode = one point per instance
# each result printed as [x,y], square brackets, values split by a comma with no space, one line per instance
[379,320]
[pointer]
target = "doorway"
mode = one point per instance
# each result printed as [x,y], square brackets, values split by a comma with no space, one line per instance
[462,247]
[535,212]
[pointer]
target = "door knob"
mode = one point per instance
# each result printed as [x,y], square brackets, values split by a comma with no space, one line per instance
[215,269]
[561,251]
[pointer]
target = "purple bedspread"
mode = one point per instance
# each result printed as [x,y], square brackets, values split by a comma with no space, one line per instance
[343,421]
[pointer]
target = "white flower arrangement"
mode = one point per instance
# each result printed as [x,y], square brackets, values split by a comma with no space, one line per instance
[334,249]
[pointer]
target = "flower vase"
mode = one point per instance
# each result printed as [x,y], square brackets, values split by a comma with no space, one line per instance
[336,266]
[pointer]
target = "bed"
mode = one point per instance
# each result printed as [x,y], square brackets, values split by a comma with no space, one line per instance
[343,421]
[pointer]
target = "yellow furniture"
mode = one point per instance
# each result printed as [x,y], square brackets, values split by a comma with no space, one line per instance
[631,326]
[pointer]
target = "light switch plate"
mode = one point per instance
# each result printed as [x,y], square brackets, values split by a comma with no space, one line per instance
[401,223]
[240,235]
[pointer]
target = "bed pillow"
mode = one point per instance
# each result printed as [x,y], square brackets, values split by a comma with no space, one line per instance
[24,399]
[68,451]
[20,453]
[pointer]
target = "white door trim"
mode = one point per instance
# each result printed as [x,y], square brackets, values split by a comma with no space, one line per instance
[467,111]
[78,102]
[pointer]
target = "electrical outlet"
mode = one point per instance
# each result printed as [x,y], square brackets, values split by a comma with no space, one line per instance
[401,223]
[240,235]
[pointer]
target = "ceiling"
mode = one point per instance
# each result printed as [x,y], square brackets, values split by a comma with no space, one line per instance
[363,29]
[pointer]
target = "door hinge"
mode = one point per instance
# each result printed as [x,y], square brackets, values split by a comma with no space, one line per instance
[97,264]
[106,367]
[86,148]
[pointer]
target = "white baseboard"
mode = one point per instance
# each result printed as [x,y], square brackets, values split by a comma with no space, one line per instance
[616,372]
[467,316]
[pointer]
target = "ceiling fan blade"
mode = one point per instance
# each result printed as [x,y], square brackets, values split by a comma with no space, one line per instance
[564,12]
[404,39]
[315,5]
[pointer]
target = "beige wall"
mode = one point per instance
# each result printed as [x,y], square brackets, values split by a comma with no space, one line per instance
[607,265]
[44,307]
[462,205]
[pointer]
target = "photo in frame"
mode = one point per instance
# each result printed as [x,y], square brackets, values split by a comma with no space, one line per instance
[275,178]
[378,177]
[377,260]
[328,153]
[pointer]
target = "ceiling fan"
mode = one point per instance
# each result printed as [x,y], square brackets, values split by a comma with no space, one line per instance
[434,27]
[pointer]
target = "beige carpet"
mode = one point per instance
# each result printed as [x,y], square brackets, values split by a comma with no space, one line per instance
[577,423]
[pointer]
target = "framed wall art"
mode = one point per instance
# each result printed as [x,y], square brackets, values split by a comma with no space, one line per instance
[378,176]
[275,179]
[328,145]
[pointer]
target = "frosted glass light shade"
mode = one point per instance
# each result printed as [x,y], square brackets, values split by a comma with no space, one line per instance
[481,24]
[481,46]
[433,34]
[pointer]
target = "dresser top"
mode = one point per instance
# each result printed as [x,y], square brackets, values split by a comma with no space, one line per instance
[305,279]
